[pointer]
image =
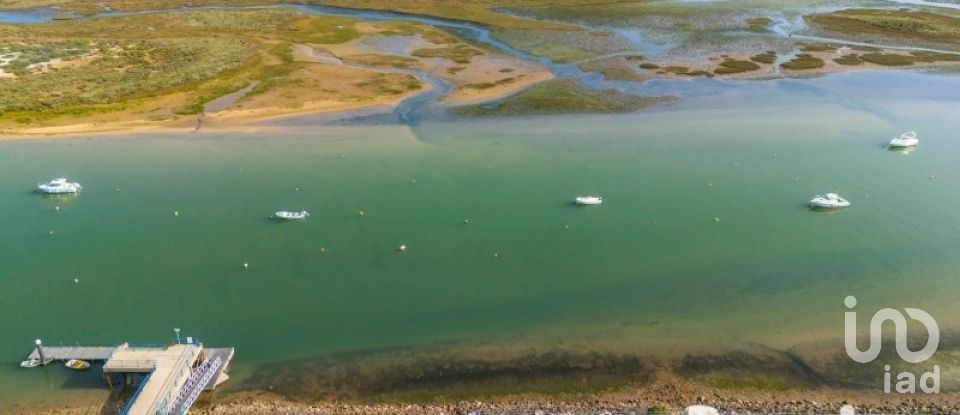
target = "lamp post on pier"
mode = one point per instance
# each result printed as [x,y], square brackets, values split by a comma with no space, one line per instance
[177,330]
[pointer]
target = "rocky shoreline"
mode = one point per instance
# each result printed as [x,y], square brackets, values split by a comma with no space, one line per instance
[661,397]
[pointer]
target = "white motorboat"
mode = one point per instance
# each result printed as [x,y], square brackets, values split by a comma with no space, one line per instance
[59,186]
[30,363]
[285,215]
[588,200]
[829,201]
[907,139]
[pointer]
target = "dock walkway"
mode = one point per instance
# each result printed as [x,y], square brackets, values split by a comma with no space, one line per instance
[52,354]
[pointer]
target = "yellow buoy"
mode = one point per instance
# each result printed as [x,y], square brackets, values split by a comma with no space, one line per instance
[176,213]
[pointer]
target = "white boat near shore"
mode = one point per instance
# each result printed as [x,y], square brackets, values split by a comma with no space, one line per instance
[588,200]
[907,139]
[287,215]
[59,186]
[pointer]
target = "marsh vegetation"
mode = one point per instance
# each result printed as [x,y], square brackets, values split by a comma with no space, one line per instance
[563,96]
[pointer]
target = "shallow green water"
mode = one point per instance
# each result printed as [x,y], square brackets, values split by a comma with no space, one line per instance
[651,267]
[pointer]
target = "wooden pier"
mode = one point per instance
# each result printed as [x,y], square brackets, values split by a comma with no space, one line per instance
[168,379]
[54,354]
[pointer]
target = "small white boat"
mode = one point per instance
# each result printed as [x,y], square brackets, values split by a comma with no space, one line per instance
[907,139]
[285,215]
[30,363]
[829,201]
[77,364]
[59,186]
[588,200]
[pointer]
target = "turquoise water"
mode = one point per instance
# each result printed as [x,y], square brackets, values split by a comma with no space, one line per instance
[651,270]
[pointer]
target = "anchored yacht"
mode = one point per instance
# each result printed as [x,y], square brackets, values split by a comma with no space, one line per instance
[829,201]
[907,139]
[588,200]
[285,215]
[59,186]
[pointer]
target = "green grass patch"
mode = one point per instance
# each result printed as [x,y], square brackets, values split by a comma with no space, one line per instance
[935,56]
[614,69]
[887,59]
[924,26]
[819,47]
[766,57]
[488,85]
[388,61]
[461,54]
[428,33]
[758,24]
[649,66]
[120,60]
[536,43]
[849,60]
[732,66]
[383,86]
[121,70]
[678,70]
[803,62]
[563,96]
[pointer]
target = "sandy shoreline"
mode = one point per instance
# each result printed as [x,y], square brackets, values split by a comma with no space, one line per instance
[238,120]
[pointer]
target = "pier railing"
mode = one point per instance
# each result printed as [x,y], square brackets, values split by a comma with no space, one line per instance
[194,386]
[167,397]
[134,365]
[136,393]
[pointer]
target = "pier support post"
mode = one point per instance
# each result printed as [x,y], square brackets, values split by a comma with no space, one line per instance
[43,359]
